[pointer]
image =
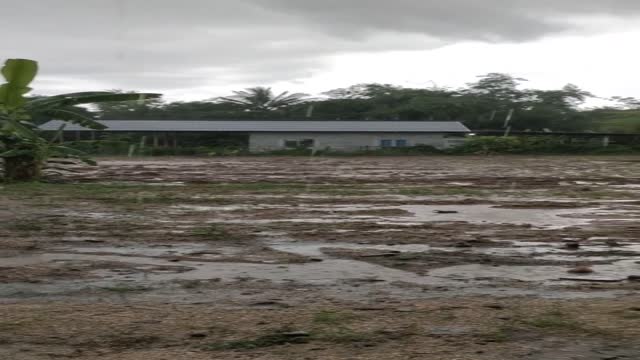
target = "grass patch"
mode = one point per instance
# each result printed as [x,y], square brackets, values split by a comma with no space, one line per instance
[289,188]
[343,335]
[440,191]
[24,226]
[328,317]
[341,190]
[561,322]
[500,335]
[212,232]
[554,321]
[112,194]
[330,326]
[327,326]
[123,289]
[12,326]
[132,342]
[588,192]
[628,314]
[278,338]
[126,193]
[71,189]
[259,187]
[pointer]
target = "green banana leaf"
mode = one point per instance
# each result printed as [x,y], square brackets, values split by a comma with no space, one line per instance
[19,73]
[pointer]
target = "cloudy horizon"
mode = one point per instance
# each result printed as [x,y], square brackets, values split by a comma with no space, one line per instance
[198,49]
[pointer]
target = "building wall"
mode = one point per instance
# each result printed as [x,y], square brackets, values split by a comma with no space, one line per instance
[343,141]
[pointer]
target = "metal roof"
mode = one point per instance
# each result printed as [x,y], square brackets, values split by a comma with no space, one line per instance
[269,126]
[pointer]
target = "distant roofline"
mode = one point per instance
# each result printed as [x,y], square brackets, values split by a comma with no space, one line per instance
[274,126]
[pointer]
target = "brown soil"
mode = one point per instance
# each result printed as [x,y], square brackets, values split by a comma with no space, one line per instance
[323,258]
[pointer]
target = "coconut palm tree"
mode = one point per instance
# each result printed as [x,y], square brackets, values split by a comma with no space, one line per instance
[263,99]
[22,146]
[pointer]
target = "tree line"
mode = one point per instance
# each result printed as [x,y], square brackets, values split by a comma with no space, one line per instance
[481,105]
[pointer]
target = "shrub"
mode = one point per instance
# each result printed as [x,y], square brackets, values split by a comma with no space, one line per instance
[488,144]
[101,147]
[396,151]
[121,147]
[474,145]
[536,145]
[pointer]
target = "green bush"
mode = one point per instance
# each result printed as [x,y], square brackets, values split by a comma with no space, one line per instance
[537,145]
[489,144]
[121,147]
[397,151]
[473,145]
[293,152]
[101,147]
[413,150]
[194,151]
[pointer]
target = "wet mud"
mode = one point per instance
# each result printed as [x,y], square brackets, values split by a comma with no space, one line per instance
[352,235]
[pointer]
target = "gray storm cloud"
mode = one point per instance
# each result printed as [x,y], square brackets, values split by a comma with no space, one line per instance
[166,44]
[496,20]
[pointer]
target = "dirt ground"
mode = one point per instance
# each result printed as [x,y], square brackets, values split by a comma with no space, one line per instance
[488,258]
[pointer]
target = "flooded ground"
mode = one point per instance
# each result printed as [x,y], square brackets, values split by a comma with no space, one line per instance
[324,258]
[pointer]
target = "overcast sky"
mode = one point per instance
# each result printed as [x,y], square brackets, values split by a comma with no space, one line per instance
[197,49]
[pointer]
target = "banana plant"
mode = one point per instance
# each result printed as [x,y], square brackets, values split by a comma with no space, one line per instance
[22,145]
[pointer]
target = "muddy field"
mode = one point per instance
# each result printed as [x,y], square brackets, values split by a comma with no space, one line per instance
[488,258]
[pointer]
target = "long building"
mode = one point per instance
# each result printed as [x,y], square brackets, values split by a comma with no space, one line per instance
[277,135]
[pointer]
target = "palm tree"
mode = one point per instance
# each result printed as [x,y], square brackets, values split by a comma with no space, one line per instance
[22,147]
[263,99]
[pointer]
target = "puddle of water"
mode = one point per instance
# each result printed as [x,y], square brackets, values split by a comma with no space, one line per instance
[183,249]
[627,187]
[330,271]
[220,208]
[464,279]
[97,215]
[481,214]
[579,259]
[619,270]
[601,183]
[79,239]
[537,249]
[290,220]
[472,213]
[314,249]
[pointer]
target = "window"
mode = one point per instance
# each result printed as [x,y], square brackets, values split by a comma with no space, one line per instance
[295,144]
[386,143]
[307,143]
[291,144]
[401,143]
